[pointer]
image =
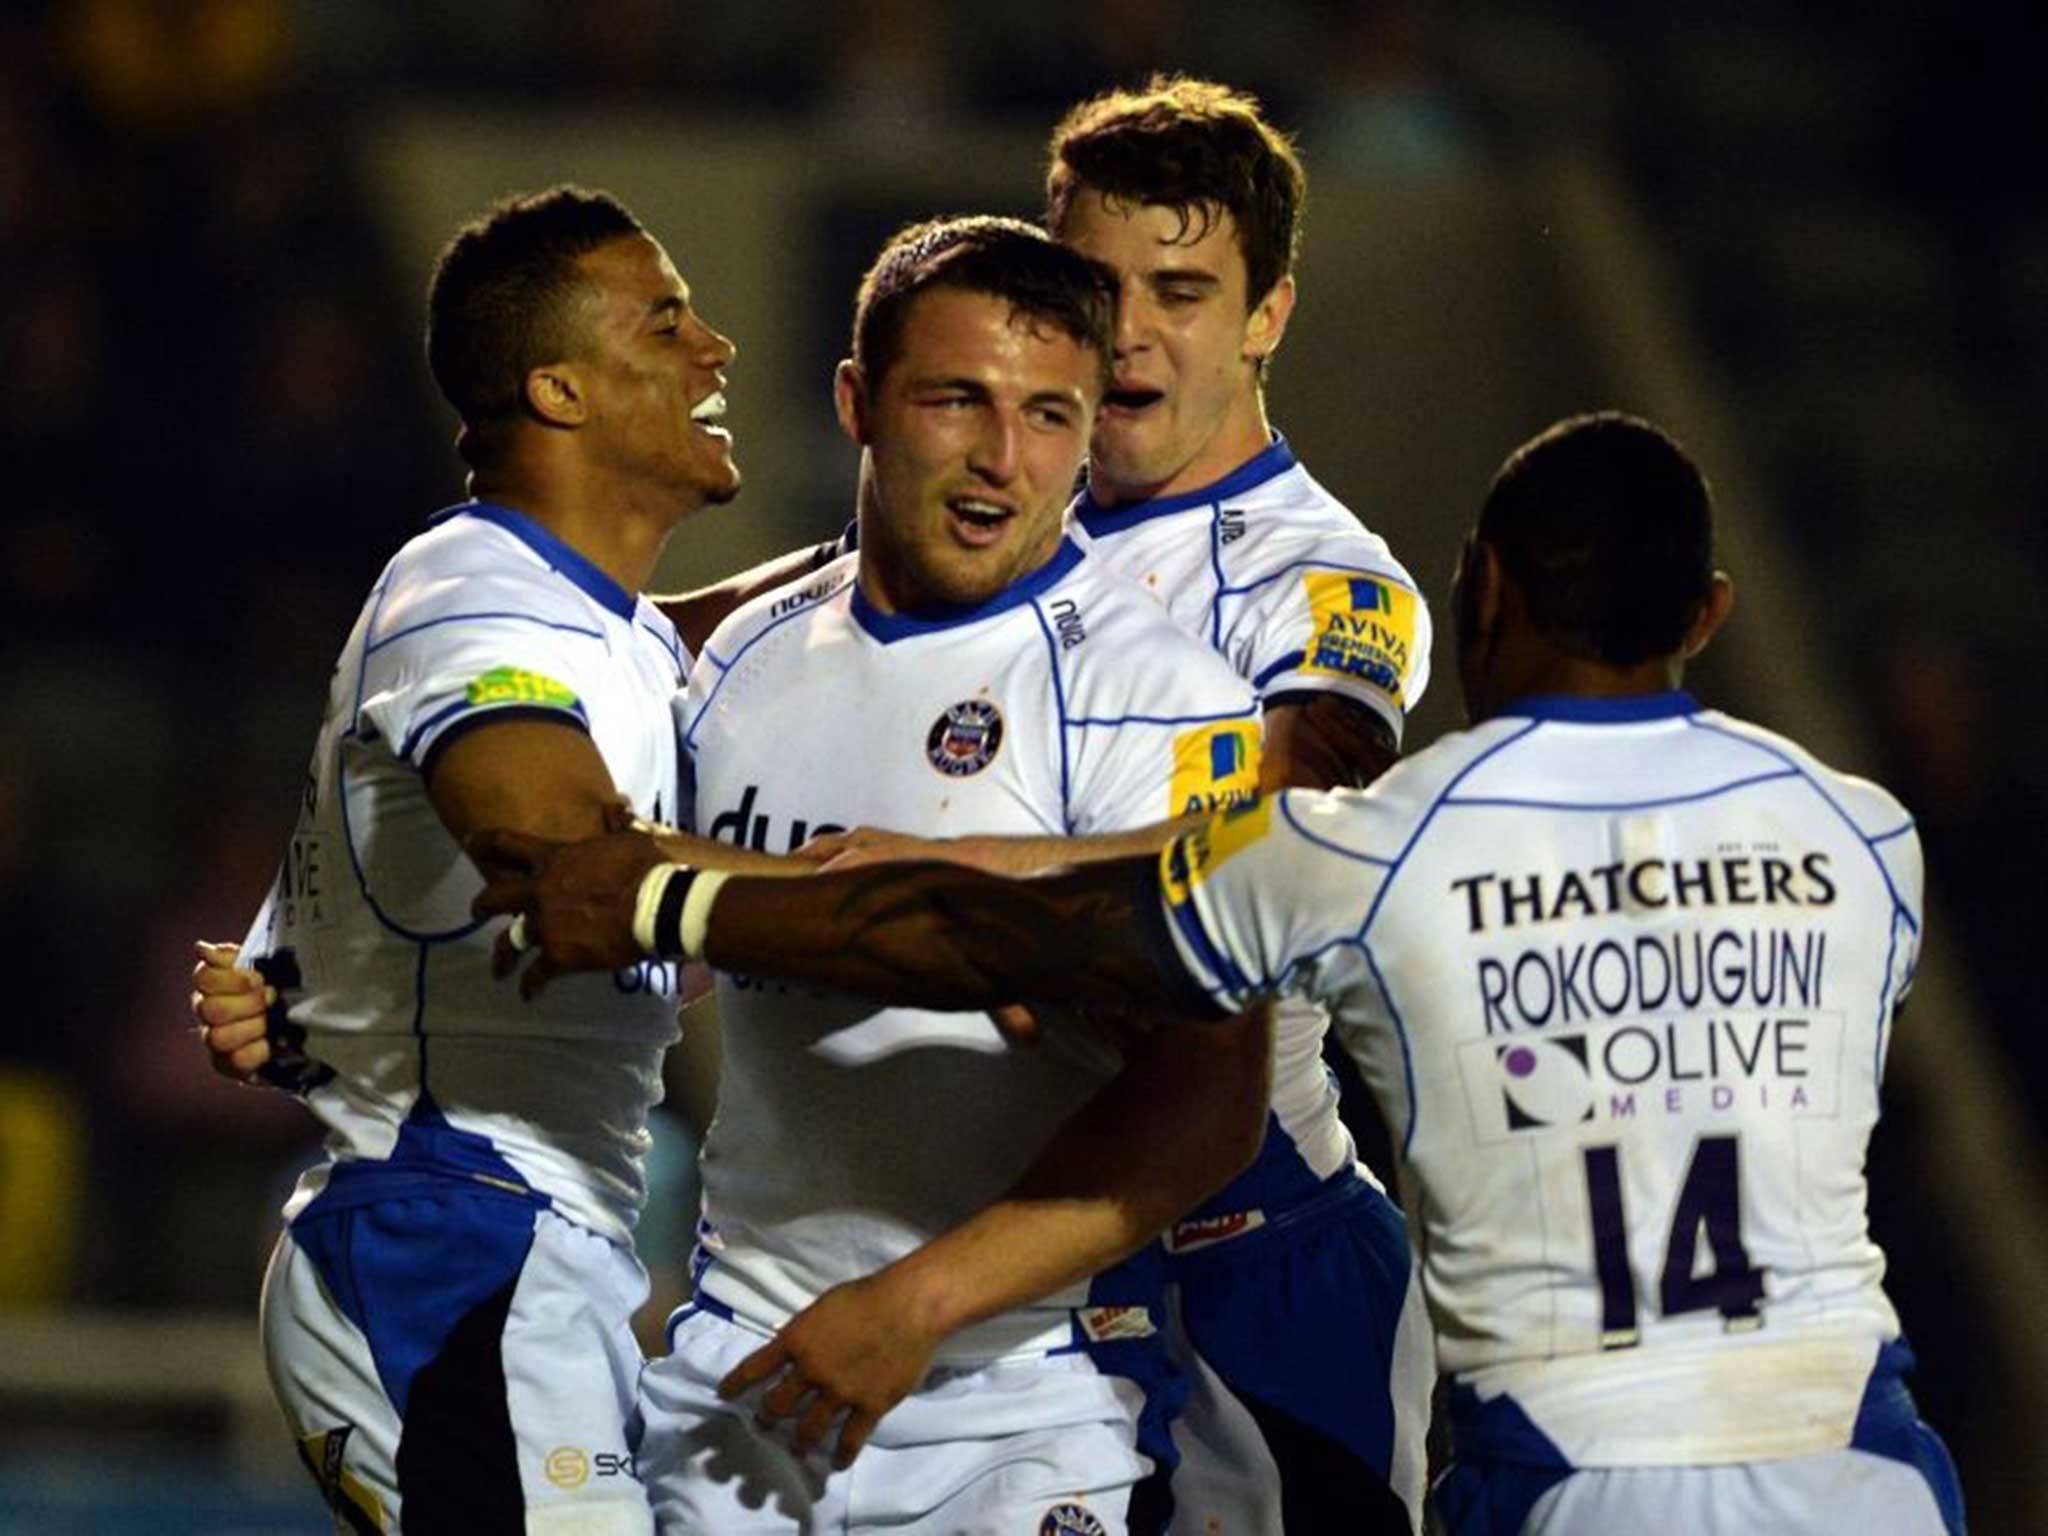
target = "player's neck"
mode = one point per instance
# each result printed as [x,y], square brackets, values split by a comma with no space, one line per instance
[1544,672]
[1243,435]
[620,539]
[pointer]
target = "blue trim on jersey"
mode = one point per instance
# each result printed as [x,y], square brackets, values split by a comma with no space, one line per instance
[1899,831]
[341,789]
[1401,1036]
[1234,714]
[934,618]
[1884,1005]
[1287,812]
[1216,569]
[1428,816]
[523,706]
[1834,805]
[1374,571]
[804,610]
[578,569]
[1618,709]
[1275,459]
[1059,704]
[1286,663]
[483,613]
[1888,1424]
[1622,805]
[1233,982]
[671,642]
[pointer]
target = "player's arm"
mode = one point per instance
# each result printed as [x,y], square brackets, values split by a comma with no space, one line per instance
[1170,1130]
[927,935]
[696,614]
[1323,740]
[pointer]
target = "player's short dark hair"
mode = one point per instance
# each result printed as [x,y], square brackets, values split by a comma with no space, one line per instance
[1197,147]
[1007,259]
[1606,526]
[504,295]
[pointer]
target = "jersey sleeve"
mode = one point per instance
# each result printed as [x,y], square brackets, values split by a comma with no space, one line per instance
[1350,621]
[1175,733]
[1255,894]
[1899,854]
[445,655]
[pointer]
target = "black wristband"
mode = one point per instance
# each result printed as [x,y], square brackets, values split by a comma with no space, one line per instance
[668,917]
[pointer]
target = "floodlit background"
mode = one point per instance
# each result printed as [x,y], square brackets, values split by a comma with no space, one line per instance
[1812,243]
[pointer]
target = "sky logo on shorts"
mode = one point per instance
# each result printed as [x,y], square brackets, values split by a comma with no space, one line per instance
[1070,1520]
[1214,766]
[516,685]
[965,739]
[1364,629]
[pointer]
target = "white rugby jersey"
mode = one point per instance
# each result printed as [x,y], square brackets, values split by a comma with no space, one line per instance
[1275,575]
[847,1135]
[397,1037]
[1620,973]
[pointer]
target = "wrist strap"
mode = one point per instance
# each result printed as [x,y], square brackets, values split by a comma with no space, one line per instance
[672,911]
[660,888]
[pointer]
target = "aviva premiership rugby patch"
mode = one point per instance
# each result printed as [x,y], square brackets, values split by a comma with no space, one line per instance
[515,685]
[1364,629]
[1214,766]
[965,739]
[1190,858]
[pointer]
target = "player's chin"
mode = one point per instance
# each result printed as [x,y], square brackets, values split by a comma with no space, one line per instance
[724,485]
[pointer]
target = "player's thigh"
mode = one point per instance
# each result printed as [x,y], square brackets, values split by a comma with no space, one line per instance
[1035,1446]
[449,1364]
[1048,1444]
[1834,1493]
[1316,1371]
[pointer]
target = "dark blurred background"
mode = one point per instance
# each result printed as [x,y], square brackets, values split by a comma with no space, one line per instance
[1811,240]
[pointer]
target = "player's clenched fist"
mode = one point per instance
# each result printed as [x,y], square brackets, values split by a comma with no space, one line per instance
[572,902]
[229,1005]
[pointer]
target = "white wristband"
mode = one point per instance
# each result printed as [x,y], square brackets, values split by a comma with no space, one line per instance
[652,885]
[697,910]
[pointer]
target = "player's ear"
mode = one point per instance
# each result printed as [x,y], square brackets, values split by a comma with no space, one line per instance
[1714,610]
[556,397]
[850,399]
[1267,323]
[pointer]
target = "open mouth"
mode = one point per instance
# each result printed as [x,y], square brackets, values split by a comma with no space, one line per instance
[978,523]
[707,413]
[1131,399]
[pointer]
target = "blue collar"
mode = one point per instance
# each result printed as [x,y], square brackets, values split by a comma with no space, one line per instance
[1618,709]
[565,561]
[1277,458]
[933,617]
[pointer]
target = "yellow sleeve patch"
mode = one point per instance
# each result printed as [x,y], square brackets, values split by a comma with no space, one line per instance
[1193,857]
[1364,628]
[514,685]
[1214,766]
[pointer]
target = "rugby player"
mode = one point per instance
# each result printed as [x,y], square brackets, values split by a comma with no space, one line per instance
[1620,970]
[446,1314]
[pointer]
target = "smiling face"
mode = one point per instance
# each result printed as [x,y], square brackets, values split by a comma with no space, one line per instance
[655,373]
[973,438]
[1184,408]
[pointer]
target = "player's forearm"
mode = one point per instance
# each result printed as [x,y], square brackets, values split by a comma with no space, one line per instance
[941,936]
[707,853]
[1157,1141]
[1040,855]
[696,614]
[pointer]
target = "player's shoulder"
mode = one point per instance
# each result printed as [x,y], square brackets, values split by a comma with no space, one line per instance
[478,562]
[780,607]
[1290,522]
[1114,644]
[1873,810]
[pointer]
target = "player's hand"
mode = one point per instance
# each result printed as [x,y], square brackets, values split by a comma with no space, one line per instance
[574,901]
[230,1007]
[859,847]
[854,1353]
